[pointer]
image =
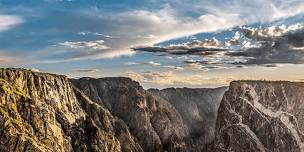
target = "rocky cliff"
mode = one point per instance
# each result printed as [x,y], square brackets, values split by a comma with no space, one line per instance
[156,123]
[40,112]
[198,108]
[261,116]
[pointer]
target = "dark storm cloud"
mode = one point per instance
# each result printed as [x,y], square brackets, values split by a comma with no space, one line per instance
[205,48]
[256,46]
[281,47]
[85,70]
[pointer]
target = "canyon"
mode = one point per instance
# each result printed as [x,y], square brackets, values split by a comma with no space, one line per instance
[47,112]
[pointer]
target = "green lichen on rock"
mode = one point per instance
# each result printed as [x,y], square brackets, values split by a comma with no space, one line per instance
[3,112]
[10,114]
[9,110]
[12,89]
[40,112]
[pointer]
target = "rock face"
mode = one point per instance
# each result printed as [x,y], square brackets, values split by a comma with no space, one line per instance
[40,112]
[198,108]
[156,123]
[261,116]
[109,124]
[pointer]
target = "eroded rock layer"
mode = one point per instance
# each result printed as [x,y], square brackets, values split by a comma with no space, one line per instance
[198,108]
[40,112]
[155,122]
[261,116]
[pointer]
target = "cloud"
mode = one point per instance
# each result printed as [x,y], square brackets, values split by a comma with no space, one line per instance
[255,10]
[150,36]
[156,64]
[85,70]
[78,50]
[140,27]
[249,46]
[200,66]
[122,29]
[166,24]
[90,45]
[9,21]
[148,27]
[173,67]
[215,16]
[169,78]
[273,45]
[205,47]
[97,34]
[270,33]
[152,63]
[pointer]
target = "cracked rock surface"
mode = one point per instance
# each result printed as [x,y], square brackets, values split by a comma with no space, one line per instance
[40,112]
[198,108]
[261,116]
[152,120]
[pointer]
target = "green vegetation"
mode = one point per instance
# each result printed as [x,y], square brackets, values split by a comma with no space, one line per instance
[12,89]
[3,112]
[9,111]
[12,117]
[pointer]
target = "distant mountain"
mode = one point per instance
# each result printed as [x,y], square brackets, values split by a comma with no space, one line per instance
[198,108]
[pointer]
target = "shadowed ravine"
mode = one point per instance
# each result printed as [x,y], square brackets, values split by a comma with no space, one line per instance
[47,112]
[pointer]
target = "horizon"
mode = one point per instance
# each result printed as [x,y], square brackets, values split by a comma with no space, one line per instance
[160,44]
[162,88]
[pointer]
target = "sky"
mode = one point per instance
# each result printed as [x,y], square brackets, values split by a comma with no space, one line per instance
[163,43]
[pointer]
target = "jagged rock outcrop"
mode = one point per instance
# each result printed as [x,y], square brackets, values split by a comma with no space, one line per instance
[155,122]
[40,112]
[261,116]
[198,108]
[104,119]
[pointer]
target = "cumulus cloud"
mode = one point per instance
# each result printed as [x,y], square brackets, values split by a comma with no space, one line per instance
[206,47]
[276,44]
[9,21]
[154,63]
[249,46]
[90,45]
[166,24]
[128,28]
[153,26]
